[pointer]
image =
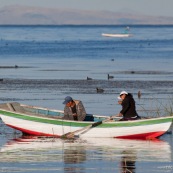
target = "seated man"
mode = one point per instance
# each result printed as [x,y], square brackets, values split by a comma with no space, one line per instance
[73,110]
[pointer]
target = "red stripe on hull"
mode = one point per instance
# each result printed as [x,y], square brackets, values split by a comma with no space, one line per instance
[151,135]
[29,132]
[146,136]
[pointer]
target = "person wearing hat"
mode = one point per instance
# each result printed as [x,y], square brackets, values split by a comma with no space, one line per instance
[73,110]
[128,111]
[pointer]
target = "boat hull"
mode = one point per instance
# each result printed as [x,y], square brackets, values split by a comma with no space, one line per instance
[44,126]
[117,35]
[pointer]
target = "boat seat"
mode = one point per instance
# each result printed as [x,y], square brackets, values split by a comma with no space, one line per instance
[14,106]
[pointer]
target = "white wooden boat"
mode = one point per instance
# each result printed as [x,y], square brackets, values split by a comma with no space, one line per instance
[47,122]
[117,35]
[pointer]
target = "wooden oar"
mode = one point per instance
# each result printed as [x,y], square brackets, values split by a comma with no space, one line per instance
[85,129]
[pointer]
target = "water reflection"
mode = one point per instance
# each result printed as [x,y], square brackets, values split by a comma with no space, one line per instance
[128,161]
[73,156]
[82,155]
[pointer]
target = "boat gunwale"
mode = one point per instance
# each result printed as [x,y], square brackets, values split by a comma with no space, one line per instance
[59,121]
[42,108]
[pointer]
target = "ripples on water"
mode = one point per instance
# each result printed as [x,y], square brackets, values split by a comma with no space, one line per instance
[51,93]
[84,155]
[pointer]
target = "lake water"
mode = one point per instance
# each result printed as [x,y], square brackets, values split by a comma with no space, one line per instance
[55,61]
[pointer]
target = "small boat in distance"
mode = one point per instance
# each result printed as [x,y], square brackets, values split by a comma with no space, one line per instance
[120,35]
[117,35]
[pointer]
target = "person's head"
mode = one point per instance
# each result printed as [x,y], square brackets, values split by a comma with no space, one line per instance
[122,95]
[68,101]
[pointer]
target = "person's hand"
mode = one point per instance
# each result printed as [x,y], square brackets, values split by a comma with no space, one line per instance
[120,114]
[119,102]
[111,118]
[75,115]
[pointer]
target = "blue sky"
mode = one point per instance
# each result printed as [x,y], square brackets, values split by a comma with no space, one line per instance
[149,7]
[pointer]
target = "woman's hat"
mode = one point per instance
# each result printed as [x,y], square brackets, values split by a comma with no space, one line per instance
[121,93]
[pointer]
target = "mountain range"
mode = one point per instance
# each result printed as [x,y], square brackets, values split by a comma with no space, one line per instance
[28,15]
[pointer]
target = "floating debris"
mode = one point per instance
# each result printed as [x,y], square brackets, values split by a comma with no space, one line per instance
[139,94]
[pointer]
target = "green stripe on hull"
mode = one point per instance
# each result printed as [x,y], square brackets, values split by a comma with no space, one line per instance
[137,123]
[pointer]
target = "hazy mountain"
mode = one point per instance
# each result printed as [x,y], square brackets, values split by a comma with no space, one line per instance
[26,15]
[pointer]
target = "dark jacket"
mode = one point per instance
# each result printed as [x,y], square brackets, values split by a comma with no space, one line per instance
[128,107]
[80,110]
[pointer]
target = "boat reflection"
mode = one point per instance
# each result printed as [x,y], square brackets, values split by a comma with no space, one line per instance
[128,161]
[72,157]
[86,154]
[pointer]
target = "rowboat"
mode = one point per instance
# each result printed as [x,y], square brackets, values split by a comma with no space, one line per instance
[40,121]
[117,35]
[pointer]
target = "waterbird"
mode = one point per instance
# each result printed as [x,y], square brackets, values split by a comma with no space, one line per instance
[99,90]
[88,78]
[110,77]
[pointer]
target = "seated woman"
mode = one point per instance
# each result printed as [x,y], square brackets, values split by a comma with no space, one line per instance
[128,111]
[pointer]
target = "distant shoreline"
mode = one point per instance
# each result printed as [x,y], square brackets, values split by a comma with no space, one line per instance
[15,66]
[80,25]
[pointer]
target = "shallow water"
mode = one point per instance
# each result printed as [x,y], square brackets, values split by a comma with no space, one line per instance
[85,155]
[55,61]
[51,93]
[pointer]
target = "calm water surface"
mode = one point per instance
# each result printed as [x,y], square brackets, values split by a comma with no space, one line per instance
[85,155]
[55,61]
